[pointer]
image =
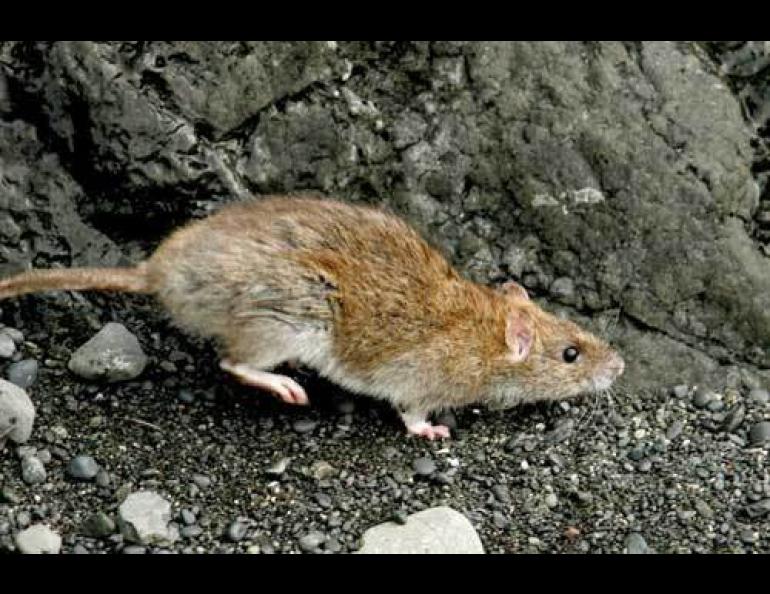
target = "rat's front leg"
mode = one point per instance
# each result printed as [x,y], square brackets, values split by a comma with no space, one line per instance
[417,423]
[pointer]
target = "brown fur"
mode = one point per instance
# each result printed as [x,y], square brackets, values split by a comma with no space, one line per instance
[359,295]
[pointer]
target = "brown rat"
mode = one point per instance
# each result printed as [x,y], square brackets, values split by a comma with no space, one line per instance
[356,294]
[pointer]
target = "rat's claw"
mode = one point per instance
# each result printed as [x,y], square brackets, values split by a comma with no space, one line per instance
[425,429]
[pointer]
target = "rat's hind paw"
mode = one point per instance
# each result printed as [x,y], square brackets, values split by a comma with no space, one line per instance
[425,429]
[282,386]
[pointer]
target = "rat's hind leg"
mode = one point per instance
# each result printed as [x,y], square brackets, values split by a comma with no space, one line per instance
[256,349]
[281,385]
[417,423]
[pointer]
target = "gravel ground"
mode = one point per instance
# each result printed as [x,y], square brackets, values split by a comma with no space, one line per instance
[668,471]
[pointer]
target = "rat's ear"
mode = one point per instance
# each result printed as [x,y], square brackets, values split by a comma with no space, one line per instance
[519,335]
[514,289]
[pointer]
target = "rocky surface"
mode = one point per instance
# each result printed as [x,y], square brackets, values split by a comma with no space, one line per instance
[17,414]
[625,184]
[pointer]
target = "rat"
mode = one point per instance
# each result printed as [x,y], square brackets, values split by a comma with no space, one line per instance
[356,294]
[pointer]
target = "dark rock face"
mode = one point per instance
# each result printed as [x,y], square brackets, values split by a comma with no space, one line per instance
[617,180]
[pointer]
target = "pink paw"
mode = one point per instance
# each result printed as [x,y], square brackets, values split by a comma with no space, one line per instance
[431,432]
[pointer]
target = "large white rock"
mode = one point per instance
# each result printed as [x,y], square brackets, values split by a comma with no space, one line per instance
[439,530]
[144,518]
[17,414]
[113,354]
[37,540]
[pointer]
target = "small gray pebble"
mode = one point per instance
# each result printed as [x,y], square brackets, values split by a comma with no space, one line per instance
[645,466]
[424,466]
[8,495]
[44,456]
[333,545]
[187,517]
[191,531]
[747,536]
[310,542]
[23,373]
[103,478]
[32,471]
[702,397]
[674,430]
[551,500]
[7,346]
[400,517]
[201,481]
[501,493]
[279,467]
[734,418]
[704,509]
[186,396]
[636,545]
[83,467]
[499,520]
[98,525]
[79,549]
[304,425]
[134,550]
[237,531]
[681,391]
[760,432]
[323,500]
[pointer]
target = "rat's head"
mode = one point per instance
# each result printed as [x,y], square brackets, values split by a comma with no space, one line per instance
[549,358]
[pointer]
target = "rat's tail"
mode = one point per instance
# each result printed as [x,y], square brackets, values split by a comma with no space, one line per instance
[129,280]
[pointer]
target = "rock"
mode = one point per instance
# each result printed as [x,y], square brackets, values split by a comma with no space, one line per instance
[191,531]
[759,396]
[16,335]
[134,550]
[201,481]
[17,414]
[561,432]
[702,397]
[304,425]
[551,500]
[103,478]
[734,418]
[681,391]
[8,495]
[279,467]
[83,467]
[424,466]
[7,346]
[311,542]
[23,373]
[758,509]
[38,539]
[674,430]
[704,509]
[322,470]
[438,530]
[113,355]
[98,525]
[144,518]
[237,531]
[32,471]
[636,545]
[760,433]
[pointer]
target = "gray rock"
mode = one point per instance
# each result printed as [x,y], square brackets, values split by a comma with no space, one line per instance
[759,396]
[134,550]
[83,467]
[17,414]
[8,495]
[322,470]
[7,346]
[760,432]
[191,531]
[201,481]
[424,466]
[636,545]
[38,539]
[734,418]
[103,478]
[304,425]
[23,373]
[702,397]
[439,530]
[674,430]
[237,530]
[113,355]
[16,335]
[32,470]
[681,391]
[311,542]
[279,466]
[144,518]
[758,509]
[98,525]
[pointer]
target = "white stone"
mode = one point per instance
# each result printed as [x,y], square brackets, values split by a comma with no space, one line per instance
[17,414]
[144,518]
[37,540]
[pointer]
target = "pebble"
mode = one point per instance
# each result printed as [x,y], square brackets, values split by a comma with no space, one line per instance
[236,531]
[144,518]
[551,500]
[674,430]
[760,432]
[23,373]
[759,396]
[44,456]
[438,530]
[186,396]
[424,466]
[501,493]
[8,495]
[17,413]
[191,531]
[704,509]
[32,470]
[758,509]
[38,539]
[681,391]
[561,432]
[98,525]
[311,542]
[499,520]
[113,355]
[645,465]
[279,467]
[322,470]
[134,550]
[636,545]
[323,500]
[201,481]
[187,517]
[702,397]
[304,425]
[7,346]
[103,479]
[79,549]
[734,418]
[83,467]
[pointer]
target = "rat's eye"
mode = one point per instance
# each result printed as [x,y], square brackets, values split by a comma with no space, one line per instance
[570,354]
